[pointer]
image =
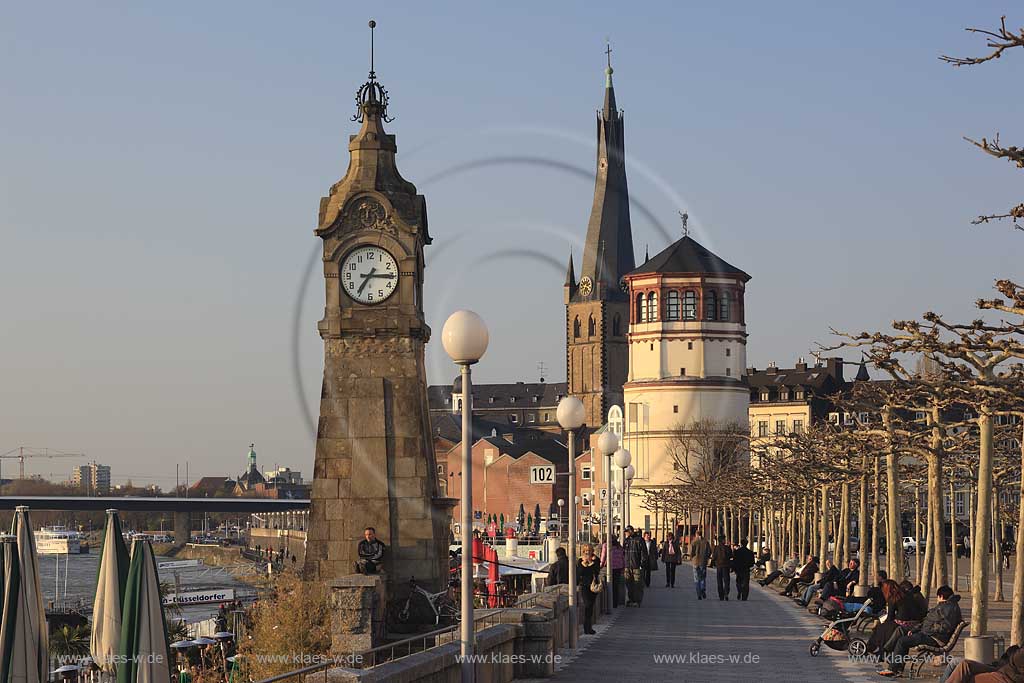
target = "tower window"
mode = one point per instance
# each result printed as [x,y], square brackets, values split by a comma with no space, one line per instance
[591,327]
[728,352]
[652,346]
[728,372]
[682,372]
[723,307]
[617,325]
[576,328]
[710,305]
[641,308]
[690,305]
[675,409]
[672,305]
[689,346]
[652,306]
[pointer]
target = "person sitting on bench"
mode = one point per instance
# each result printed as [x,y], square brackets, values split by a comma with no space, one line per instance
[937,627]
[371,552]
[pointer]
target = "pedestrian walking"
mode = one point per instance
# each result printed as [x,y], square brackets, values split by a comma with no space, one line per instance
[722,559]
[588,578]
[671,557]
[700,553]
[652,558]
[618,563]
[742,561]
[636,563]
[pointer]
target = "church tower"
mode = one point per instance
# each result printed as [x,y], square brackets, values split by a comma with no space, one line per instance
[374,463]
[597,306]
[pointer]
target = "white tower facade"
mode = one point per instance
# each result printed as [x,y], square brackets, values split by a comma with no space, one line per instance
[687,358]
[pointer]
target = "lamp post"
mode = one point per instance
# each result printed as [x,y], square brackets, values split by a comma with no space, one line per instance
[622,459]
[570,414]
[607,443]
[628,474]
[464,337]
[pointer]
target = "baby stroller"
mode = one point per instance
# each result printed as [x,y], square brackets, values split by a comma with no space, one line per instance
[837,634]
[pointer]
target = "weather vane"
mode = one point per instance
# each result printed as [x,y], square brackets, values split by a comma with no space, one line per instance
[685,218]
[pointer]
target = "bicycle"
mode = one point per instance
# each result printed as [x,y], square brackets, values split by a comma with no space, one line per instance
[442,605]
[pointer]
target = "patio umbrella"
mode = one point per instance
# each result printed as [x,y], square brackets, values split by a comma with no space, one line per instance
[24,646]
[111,581]
[142,652]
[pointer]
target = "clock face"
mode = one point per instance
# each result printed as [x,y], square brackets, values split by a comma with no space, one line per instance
[369,274]
[586,286]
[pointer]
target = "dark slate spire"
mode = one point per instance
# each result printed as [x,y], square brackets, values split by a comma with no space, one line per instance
[862,373]
[609,237]
[570,274]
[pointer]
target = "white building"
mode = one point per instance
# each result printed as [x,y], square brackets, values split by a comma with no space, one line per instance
[93,478]
[687,356]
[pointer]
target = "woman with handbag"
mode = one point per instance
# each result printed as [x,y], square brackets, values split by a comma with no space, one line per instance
[588,577]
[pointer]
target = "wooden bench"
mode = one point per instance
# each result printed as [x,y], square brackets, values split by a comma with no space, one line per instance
[935,650]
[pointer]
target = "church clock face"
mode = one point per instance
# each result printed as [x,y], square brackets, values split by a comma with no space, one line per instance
[586,286]
[369,274]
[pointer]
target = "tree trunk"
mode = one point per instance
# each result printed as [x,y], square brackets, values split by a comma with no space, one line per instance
[1017,618]
[935,506]
[917,534]
[862,523]
[927,576]
[997,544]
[823,542]
[971,523]
[844,522]
[954,563]
[875,566]
[979,568]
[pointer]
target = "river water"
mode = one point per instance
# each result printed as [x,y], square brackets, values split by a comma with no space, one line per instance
[80,581]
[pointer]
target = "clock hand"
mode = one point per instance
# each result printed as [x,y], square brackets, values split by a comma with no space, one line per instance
[385,276]
[366,278]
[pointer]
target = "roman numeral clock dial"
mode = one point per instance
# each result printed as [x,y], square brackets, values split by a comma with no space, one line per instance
[369,274]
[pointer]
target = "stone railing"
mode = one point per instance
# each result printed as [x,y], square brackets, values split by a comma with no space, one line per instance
[514,642]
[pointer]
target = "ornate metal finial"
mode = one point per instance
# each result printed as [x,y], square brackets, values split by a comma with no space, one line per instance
[685,218]
[608,52]
[371,98]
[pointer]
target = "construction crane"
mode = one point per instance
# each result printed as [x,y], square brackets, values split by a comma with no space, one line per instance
[22,452]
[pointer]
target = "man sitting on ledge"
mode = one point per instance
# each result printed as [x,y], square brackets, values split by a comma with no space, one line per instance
[371,552]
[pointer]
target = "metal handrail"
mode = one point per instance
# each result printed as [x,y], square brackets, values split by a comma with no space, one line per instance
[368,658]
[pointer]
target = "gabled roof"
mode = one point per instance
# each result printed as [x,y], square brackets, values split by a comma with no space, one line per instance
[688,256]
[552,450]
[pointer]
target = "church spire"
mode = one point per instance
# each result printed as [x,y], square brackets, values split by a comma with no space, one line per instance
[570,274]
[608,252]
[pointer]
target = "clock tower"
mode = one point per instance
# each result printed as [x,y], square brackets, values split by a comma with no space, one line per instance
[374,463]
[597,306]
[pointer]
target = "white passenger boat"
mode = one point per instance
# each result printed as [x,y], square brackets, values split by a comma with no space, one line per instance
[58,540]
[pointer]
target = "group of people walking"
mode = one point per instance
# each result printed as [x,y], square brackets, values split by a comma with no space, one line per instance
[634,562]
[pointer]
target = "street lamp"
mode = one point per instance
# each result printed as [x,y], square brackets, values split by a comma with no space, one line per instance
[629,473]
[464,337]
[606,444]
[561,521]
[622,459]
[570,414]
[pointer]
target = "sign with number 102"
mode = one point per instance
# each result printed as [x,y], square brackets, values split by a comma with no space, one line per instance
[542,474]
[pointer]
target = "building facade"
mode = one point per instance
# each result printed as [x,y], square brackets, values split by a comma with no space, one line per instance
[92,478]
[687,357]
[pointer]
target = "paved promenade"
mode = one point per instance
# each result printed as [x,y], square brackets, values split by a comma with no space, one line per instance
[675,637]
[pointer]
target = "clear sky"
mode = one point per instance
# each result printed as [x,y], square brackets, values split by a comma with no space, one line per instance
[161,166]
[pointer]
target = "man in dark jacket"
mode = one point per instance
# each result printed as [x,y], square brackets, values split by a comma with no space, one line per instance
[559,571]
[371,552]
[721,557]
[828,576]
[636,560]
[806,575]
[842,582]
[652,558]
[742,560]
[937,627]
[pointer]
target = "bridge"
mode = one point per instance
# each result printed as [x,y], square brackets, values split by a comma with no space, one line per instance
[181,507]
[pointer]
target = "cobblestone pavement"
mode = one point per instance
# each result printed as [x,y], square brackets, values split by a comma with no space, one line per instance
[675,637]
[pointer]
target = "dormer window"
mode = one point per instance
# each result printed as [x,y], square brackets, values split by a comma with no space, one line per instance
[511,399]
[490,399]
[764,395]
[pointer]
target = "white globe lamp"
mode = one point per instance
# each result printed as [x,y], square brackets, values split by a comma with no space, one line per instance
[570,413]
[464,337]
[622,458]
